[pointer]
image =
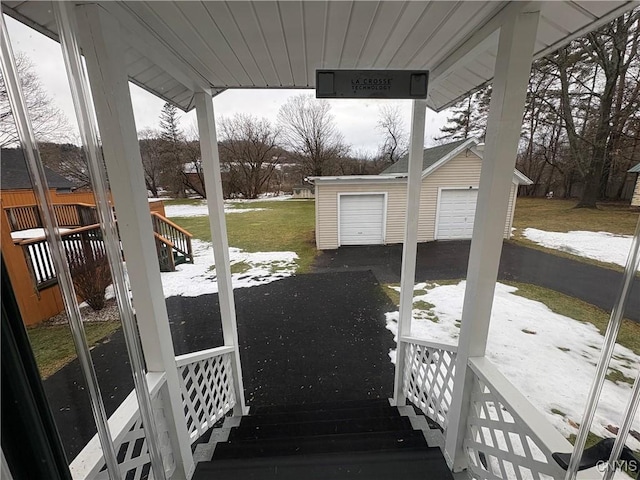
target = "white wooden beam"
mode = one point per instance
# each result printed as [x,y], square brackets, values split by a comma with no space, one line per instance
[215,203]
[513,65]
[136,33]
[410,247]
[104,54]
[478,42]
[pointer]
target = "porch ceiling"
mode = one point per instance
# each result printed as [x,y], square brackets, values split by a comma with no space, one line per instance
[175,48]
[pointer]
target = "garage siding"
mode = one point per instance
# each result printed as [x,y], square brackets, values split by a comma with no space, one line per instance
[461,171]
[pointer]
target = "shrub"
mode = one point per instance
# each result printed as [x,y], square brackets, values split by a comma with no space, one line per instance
[91,277]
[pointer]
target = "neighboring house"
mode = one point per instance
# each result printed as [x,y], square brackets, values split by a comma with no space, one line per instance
[15,175]
[635,200]
[303,191]
[370,209]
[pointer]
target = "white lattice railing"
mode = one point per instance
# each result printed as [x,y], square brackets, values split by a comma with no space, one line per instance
[206,379]
[507,438]
[129,440]
[429,370]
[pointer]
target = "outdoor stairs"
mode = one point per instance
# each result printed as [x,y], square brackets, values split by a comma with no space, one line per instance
[332,441]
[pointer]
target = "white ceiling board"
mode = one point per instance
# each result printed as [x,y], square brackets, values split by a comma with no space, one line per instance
[243,44]
[358,32]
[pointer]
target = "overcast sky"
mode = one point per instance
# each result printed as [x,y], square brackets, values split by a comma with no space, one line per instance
[356,119]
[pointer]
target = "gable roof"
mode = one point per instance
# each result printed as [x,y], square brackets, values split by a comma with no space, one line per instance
[15,176]
[434,157]
[430,156]
[634,169]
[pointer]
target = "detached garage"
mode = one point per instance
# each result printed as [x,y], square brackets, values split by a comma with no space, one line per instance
[370,209]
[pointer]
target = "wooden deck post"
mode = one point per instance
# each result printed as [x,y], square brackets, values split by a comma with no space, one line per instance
[215,204]
[104,55]
[513,65]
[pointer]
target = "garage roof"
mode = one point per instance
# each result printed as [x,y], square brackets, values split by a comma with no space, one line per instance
[635,169]
[176,48]
[15,175]
[431,155]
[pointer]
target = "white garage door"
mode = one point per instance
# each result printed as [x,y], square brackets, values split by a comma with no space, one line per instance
[456,213]
[362,219]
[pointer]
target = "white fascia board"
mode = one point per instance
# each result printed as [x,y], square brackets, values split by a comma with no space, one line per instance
[469,144]
[359,178]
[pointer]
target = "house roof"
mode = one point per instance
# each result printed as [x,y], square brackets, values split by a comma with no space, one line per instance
[15,176]
[635,169]
[173,49]
[429,156]
[432,159]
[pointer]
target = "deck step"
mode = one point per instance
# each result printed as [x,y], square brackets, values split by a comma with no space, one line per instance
[332,427]
[375,411]
[427,464]
[319,406]
[321,444]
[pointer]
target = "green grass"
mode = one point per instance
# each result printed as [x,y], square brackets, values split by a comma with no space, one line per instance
[240,267]
[571,307]
[53,345]
[561,216]
[280,226]
[557,215]
[616,376]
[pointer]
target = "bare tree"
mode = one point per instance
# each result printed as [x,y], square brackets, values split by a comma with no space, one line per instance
[49,123]
[192,174]
[68,160]
[310,133]
[151,151]
[250,153]
[396,139]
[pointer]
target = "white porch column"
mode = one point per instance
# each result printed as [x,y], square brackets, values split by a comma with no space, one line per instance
[215,204]
[410,246]
[513,65]
[104,55]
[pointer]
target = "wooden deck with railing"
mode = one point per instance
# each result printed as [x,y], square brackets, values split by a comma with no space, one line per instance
[173,243]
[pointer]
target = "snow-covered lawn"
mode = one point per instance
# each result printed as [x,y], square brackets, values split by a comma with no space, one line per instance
[602,246]
[199,278]
[550,358]
[200,209]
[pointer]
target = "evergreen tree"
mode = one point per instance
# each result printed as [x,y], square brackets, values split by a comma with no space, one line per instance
[172,150]
[468,117]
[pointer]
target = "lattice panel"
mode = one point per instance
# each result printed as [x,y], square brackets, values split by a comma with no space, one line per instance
[428,380]
[132,451]
[499,447]
[207,392]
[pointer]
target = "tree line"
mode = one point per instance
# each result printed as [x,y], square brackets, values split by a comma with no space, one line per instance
[582,118]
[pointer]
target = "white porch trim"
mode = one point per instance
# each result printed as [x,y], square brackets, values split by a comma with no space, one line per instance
[215,205]
[410,247]
[104,55]
[513,64]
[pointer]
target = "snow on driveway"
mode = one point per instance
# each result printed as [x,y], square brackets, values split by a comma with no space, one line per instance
[199,278]
[602,246]
[550,358]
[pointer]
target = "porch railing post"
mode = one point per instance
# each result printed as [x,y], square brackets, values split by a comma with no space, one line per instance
[410,247]
[215,204]
[513,65]
[104,52]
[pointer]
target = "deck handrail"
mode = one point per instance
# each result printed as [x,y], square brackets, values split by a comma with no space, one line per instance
[180,238]
[28,241]
[526,435]
[125,426]
[430,344]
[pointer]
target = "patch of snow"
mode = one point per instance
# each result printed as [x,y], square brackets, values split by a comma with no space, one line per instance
[602,246]
[550,358]
[200,209]
[33,233]
[199,278]
[265,197]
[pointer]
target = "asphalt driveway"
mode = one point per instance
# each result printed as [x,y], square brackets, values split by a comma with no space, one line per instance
[448,260]
[307,338]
